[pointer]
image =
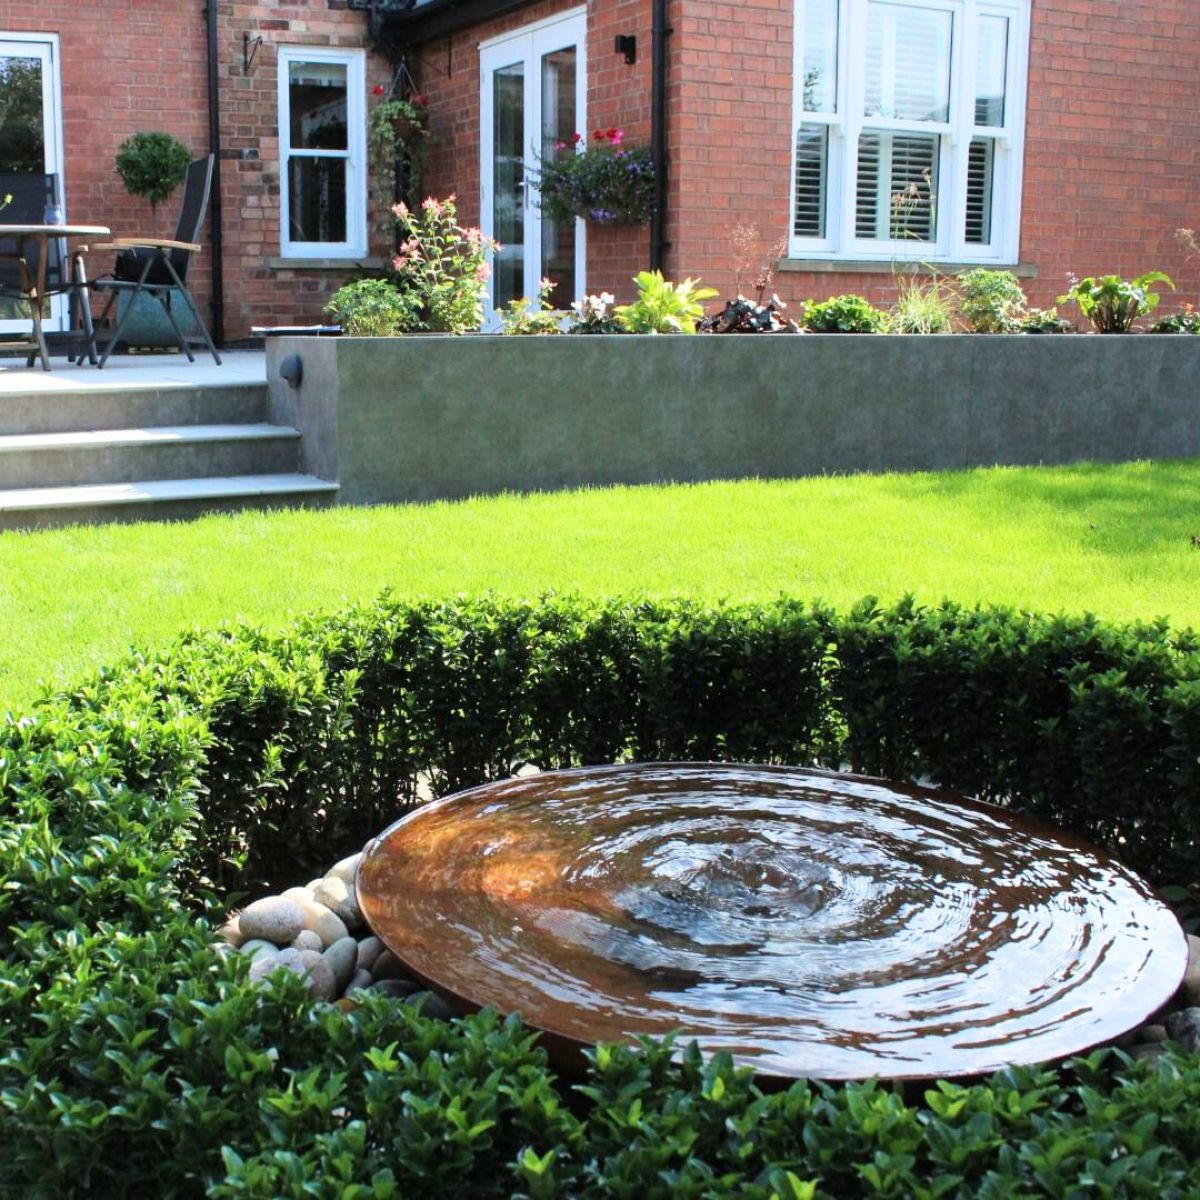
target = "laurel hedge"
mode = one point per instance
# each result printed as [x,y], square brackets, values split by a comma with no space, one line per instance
[134,806]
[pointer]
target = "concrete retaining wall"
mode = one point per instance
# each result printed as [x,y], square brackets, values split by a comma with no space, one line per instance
[424,418]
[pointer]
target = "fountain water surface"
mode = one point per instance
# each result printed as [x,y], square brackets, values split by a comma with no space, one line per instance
[813,924]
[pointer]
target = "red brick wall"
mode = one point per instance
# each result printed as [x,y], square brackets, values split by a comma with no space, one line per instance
[1111,153]
[618,95]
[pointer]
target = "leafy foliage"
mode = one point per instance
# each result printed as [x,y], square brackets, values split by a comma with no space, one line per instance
[152,165]
[1111,303]
[135,1061]
[922,306]
[990,301]
[1186,320]
[662,306]
[374,308]
[520,319]
[750,316]
[603,181]
[843,314]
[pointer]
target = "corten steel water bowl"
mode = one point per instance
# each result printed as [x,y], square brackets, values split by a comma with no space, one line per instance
[812,924]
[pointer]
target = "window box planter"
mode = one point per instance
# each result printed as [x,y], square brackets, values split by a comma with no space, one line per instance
[395,419]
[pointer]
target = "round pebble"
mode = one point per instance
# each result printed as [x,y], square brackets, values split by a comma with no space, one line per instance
[306,939]
[369,949]
[388,966]
[342,958]
[273,919]
[328,926]
[338,897]
[358,981]
[398,989]
[301,895]
[430,1005]
[321,983]
[1147,1050]
[346,869]
[257,948]
[231,931]
[1184,1027]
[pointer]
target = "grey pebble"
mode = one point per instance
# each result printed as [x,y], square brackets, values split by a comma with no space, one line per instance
[388,966]
[341,958]
[369,949]
[1184,1028]
[346,869]
[429,1005]
[358,981]
[306,939]
[397,988]
[273,919]
[340,898]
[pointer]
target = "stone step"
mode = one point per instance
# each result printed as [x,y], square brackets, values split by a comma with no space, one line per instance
[157,499]
[121,405]
[156,452]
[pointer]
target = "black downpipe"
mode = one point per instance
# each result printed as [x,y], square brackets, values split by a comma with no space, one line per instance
[659,32]
[214,200]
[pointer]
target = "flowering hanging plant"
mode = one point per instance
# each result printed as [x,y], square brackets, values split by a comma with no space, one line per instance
[443,264]
[603,181]
[397,137]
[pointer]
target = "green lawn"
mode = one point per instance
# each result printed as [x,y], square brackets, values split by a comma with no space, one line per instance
[1116,540]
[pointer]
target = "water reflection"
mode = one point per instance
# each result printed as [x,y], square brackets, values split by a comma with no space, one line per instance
[812,924]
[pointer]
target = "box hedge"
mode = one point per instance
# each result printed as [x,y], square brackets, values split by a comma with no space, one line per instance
[134,1061]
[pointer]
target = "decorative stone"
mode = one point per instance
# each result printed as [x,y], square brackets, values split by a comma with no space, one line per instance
[1150,1035]
[260,968]
[257,948]
[301,895]
[369,950]
[398,989]
[273,919]
[339,898]
[388,966]
[342,957]
[1146,1050]
[328,926]
[1191,978]
[358,981]
[345,869]
[1184,1028]
[311,884]
[231,931]
[429,1005]
[306,939]
[321,983]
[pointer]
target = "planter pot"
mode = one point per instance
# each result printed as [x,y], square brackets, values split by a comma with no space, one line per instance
[148,327]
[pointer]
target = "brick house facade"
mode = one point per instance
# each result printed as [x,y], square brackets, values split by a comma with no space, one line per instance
[1110,154]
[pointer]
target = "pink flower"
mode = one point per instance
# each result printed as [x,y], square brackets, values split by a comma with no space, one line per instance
[377,90]
[398,263]
[474,237]
[598,135]
[576,138]
[432,205]
[400,210]
[483,273]
[419,98]
[560,146]
[616,136]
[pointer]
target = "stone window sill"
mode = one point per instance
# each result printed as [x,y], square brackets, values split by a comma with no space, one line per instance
[842,266]
[324,264]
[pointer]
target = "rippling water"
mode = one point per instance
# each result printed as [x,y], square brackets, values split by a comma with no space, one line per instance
[812,924]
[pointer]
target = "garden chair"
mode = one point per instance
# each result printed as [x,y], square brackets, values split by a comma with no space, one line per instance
[159,266]
[32,193]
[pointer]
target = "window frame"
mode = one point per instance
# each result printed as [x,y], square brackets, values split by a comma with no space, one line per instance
[355,154]
[848,121]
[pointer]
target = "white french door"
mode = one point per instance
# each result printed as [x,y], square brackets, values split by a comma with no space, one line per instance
[30,138]
[532,99]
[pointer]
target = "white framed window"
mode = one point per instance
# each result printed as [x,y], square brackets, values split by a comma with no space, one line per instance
[909,119]
[322,152]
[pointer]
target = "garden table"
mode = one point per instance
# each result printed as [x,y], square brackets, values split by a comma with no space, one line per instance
[33,279]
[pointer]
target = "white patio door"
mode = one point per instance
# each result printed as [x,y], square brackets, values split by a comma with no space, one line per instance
[532,99]
[30,136]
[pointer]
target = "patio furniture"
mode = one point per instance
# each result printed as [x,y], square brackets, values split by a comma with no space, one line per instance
[158,267]
[37,265]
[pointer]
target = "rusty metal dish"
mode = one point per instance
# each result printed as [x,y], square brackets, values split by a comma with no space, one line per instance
[812,924]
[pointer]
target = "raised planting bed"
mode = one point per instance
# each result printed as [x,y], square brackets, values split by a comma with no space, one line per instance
[431,417]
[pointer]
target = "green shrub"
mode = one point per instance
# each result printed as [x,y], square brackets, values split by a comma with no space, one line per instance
[1111,303]
[662,306]
[374,308]
[1187,320]
[135,1061]
[843,314]
[152,165]
[1042,320]
[990,301]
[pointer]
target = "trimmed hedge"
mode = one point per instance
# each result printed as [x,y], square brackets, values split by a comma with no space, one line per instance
[134,1061]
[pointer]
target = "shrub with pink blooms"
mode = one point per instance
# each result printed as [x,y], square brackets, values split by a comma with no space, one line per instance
[602,180]
[443,265]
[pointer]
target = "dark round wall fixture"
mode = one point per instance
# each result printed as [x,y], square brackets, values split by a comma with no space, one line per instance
[812,924]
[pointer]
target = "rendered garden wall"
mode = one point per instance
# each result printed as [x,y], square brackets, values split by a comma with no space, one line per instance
[422,418]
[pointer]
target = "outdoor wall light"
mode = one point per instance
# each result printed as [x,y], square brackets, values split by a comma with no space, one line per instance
[626,44]
[291,370]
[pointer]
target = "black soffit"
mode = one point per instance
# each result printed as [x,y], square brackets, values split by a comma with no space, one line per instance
[397,25]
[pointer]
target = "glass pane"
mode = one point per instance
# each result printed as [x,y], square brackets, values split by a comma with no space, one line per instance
[820,55]
[896,198]
[812,159]
[558,124]
[508,175]
[317,199]
[22,128]
[981,174]
[908,62]
[991,62]
[317,103]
